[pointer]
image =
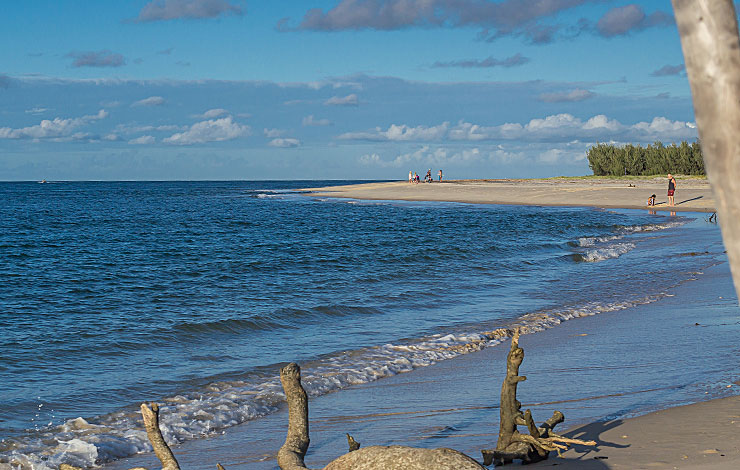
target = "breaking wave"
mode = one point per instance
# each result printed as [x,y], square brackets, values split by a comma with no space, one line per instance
[219,405]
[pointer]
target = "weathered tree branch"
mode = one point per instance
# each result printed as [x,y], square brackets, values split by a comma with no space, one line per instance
[161,449]
[353,444]
[291,455]
[711,49]
[513,445]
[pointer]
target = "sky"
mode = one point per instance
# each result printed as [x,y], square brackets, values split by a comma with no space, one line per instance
[336,89]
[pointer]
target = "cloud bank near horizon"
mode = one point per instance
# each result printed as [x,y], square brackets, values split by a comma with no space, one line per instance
[506,125]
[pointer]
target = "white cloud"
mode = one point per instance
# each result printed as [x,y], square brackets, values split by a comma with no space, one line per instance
[273,133]
[213,113]
[400,133]
[349,100]
[661,125]
[602,122]
[36,110]
[371,159]
[164,10]
[284,143]
[54,128]
[151,101]
[482,156]
[310,120]
[143,140]
[135,129]
[427,156]
[213,130]
[562,127]
[111,137]
[578,94]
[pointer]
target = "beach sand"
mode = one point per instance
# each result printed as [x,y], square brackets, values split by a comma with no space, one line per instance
[693,194]
[600,371]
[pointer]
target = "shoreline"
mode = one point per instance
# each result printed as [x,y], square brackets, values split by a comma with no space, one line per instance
[570,367]
[692,195]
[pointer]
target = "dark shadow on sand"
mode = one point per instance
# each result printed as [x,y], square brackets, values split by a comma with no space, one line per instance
[569,464]
[586,458]
[688,200]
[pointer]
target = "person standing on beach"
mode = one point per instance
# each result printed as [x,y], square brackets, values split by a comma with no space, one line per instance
[411,177]
[440,175]
[671,189]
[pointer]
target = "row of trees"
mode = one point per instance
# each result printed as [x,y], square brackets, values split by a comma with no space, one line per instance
[655,159]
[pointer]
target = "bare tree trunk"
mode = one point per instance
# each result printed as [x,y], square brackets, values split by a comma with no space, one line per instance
[290,455]
[711,49]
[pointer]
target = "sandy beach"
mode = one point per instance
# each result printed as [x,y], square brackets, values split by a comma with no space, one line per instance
[693,194]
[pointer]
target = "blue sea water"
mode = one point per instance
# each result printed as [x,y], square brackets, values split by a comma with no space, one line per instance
[193,293]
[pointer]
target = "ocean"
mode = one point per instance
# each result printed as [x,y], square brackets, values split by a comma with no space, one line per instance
[193,294]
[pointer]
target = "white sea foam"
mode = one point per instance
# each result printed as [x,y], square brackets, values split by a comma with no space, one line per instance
[602,249]
[607,252]
[591,241]
[220,405]
[652,227]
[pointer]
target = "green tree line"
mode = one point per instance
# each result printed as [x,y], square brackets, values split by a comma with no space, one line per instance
[655,159]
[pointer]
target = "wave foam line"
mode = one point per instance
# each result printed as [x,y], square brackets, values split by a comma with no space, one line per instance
[607,252]
[220,405]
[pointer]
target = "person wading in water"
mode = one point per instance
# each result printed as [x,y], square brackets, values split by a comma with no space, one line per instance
[671,189]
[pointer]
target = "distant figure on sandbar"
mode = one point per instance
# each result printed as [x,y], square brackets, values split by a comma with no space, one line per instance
[439,173]
[428,176]
[416,178]
[671,189]
[411,177]
[651,200]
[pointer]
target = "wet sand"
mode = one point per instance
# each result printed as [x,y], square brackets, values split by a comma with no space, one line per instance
[692,195]
[600,371]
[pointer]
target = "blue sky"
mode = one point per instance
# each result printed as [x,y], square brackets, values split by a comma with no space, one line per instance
[349,89]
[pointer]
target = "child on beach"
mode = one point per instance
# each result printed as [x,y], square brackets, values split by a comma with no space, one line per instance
[651,200]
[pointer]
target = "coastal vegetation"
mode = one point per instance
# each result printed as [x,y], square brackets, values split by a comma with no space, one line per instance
[655,159]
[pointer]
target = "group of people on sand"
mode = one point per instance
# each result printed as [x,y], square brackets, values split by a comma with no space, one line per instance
[671,191]
[414,176]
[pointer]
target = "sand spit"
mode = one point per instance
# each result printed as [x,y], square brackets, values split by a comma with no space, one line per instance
[693,194]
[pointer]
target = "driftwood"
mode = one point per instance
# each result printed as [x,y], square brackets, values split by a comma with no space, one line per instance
[161,450]
[711,49]
[513,445]
[291,454]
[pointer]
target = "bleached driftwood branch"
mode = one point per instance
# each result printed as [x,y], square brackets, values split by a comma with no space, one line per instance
[290,456]
[154,433]
[513,445]
[161,449]
[711,49]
